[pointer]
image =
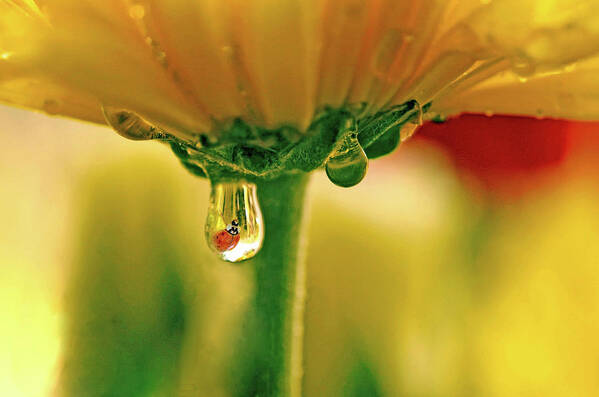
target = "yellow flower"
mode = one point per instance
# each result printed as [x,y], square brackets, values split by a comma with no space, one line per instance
[189,66]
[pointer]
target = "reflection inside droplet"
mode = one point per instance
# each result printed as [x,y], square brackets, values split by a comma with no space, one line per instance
[130,125]
[348,165]
[234,226]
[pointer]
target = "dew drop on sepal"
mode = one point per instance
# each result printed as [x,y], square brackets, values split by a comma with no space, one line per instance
[234,225]
[348,165]
[130,125]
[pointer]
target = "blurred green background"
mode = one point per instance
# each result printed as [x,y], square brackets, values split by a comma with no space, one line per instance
[430,278]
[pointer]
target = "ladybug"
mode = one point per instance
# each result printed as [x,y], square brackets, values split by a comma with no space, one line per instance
[227,239]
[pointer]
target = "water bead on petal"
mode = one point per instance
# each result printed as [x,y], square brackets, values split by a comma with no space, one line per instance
[130,125]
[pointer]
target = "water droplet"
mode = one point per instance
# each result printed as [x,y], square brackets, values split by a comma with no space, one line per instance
[540,113]
[6,55]
[348,165]
[408,38]
[387,50]
[489,113]
[570,67]
[130,125]
[137,11]
[439,118]
[407,130]
[51,106]
[523,67]
[234,225]
[227,51]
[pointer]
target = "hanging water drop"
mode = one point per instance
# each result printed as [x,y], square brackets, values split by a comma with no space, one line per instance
[234,226]
[348,165]
[130,125]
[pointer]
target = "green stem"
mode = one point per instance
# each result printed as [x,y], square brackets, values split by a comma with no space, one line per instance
[267,359]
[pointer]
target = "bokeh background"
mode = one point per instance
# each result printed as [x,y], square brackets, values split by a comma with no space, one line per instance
[465,264]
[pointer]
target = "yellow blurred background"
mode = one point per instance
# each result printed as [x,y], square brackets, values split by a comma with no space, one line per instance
[417,284]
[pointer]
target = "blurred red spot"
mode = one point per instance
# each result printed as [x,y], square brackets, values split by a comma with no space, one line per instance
[504,153]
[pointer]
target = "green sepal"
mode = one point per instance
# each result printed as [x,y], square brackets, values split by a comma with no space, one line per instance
[255,153]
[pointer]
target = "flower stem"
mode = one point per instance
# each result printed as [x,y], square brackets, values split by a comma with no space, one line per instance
[267,359]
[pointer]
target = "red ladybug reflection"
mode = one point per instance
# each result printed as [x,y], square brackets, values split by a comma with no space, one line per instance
[227,239]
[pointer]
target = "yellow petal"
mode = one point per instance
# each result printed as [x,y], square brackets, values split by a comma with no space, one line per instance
[279,42]
[571,94]
[538,34]
[50,98]
[196,38]
[94,48]
[189,65]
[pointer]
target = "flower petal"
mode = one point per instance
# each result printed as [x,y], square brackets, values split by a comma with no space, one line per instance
[94,48]
[539,41]
[189,65]
[50,98]
[571,94]
[279,41]
[539,34]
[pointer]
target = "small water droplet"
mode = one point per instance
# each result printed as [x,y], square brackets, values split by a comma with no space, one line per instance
[489,113]
[227,50]
[523,67]
[570,67]
[234,226]
[439,118]
[130,125]
[6,55]
[348,165]
[540,113]
[51,106]
[387,50]
[137,11]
